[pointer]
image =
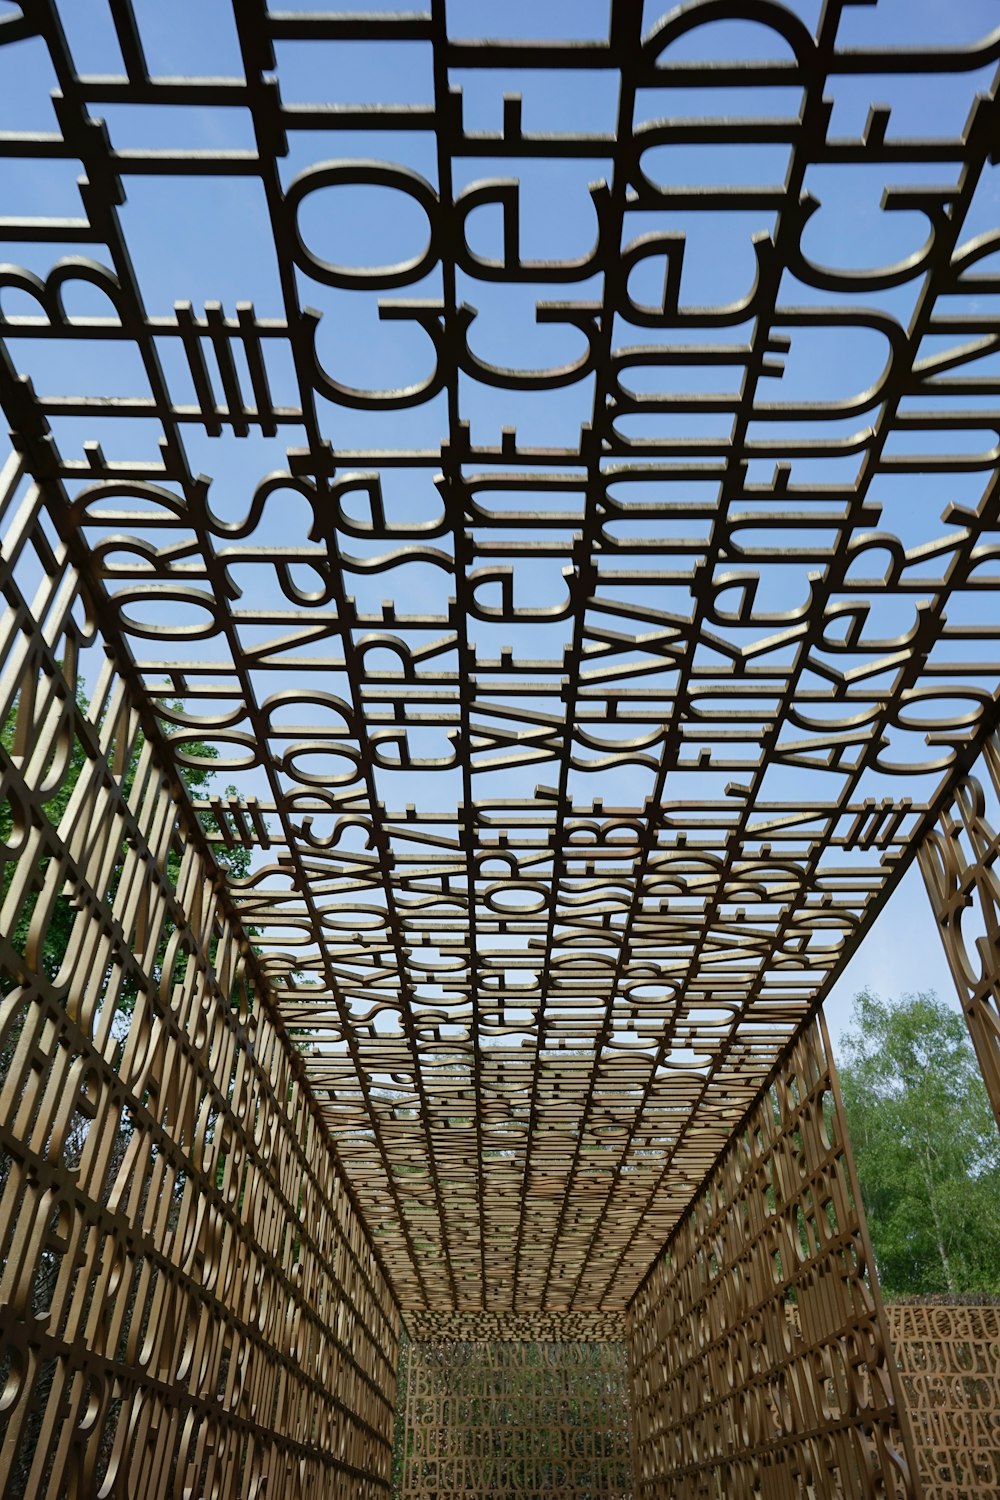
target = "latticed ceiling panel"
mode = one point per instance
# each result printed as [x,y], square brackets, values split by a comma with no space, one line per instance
[558,479]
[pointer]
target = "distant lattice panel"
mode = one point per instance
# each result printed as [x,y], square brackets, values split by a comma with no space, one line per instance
[949,1360]
[574,1327]
[488,1419]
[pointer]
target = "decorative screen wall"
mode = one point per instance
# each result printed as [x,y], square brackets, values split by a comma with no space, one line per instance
[554,478]
[576,544]
[759,1354]
[494,1419]
[189,1304]
[948,1358]
[959,861]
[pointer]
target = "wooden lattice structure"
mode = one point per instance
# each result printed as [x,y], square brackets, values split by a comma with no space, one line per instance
[758,1339]
[486,455]
[189,1300]
[949,1363]
[499,1417]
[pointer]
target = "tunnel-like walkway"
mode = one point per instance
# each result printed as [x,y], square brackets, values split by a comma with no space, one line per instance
[499,554]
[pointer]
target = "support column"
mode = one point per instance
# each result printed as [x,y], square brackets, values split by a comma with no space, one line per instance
[958,860]
[760,1359]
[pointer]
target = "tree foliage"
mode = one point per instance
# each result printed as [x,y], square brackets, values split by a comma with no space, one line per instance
[926,1146]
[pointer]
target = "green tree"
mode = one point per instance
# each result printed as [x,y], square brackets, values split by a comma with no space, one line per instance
[926,1146]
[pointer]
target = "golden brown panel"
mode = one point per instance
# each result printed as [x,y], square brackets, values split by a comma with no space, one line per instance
[488,1420]
[188,1300]
[486,1327]
[760,1362]
[949,1364]
[959,863]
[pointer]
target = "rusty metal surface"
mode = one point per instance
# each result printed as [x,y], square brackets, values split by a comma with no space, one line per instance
[948,1356]
[188,1301]
[487,1420]
[576,755]
[958,860]
[760,1359]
